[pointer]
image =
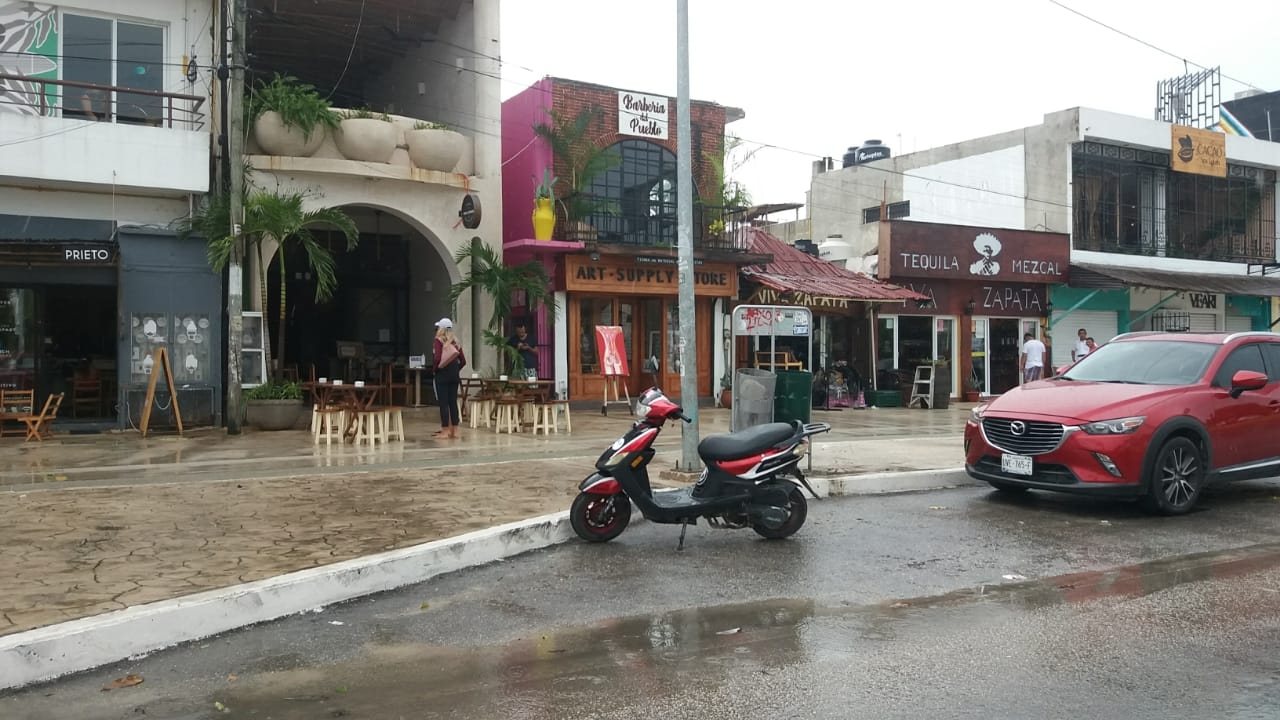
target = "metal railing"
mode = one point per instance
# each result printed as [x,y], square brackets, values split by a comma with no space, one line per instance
[654,224]
[104,103]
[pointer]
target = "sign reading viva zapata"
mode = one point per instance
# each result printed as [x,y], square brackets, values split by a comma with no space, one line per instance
[931,250]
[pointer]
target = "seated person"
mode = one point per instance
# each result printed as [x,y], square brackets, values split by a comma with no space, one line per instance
[93,106]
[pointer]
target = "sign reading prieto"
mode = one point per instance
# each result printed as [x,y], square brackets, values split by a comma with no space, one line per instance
[1202,152]
[643,115]
[89,254]
[622,276]
[930,250]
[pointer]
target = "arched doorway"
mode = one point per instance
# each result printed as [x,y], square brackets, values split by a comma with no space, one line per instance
[390,291]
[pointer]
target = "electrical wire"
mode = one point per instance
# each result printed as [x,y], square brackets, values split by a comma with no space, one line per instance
[355,40]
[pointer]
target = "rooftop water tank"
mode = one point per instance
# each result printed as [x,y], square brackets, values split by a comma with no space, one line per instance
[835,250]
[872,150]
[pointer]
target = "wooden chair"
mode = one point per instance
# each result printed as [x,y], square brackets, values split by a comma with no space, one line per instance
[38,426]
[86,395]
[388,381]
[15,405]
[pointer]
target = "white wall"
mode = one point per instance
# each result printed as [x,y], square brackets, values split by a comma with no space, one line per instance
[987,190]
[125,209]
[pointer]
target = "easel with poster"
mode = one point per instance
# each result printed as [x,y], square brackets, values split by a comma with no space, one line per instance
[611,349]
[161,363]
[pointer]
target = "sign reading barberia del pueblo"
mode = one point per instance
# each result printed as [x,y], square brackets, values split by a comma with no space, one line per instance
[959,252]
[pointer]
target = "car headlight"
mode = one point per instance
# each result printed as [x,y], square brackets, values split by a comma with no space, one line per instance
[975,415]
[1119,426]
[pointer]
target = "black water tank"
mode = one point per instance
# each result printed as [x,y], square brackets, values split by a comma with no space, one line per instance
[850,158]
[871,150]
[807,246]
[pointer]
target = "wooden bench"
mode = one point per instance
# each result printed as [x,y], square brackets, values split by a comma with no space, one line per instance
[780,360]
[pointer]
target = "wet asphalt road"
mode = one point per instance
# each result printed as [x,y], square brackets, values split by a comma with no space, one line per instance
[951,604]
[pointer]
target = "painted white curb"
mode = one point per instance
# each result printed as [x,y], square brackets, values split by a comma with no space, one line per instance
[51,652]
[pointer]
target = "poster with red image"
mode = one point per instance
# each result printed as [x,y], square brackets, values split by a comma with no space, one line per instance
[611,349]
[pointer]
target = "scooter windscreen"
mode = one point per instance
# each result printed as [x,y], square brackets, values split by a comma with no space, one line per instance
[654,405]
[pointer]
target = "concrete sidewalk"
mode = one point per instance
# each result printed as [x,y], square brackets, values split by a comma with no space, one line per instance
[96,526]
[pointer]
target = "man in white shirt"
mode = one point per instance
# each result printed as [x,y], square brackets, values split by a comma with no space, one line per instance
[1032,361]
[1082,348]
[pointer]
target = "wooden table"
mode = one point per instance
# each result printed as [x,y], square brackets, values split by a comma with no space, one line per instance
[350,397]
[527,391]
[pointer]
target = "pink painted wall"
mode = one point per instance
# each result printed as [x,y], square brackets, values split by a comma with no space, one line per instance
[524,156]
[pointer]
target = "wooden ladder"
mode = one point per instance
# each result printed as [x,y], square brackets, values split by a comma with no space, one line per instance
[922,387]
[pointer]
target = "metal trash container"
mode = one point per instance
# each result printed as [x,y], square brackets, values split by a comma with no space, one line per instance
[793,396]
[752,398]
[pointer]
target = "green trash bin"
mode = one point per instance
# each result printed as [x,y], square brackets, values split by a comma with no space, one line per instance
[792,396]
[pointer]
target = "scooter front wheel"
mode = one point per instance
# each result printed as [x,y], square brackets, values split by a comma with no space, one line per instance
[798,512]
[600,518]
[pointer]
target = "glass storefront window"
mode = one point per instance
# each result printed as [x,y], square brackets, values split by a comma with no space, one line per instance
[978,376]
[592,312]
[18,343]
[675,343]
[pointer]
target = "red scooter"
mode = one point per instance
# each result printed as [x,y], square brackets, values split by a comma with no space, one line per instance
[751,479]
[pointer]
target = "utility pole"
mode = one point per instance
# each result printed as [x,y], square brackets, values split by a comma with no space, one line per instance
[689,461]
[234,148]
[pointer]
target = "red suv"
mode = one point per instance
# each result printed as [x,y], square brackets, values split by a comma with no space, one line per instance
[1150,415]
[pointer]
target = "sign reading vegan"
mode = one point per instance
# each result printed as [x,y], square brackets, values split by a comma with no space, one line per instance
[1202,152]
[932,250]
[643,115]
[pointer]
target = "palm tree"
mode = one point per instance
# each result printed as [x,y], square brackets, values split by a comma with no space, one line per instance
[487,273]
[281,217]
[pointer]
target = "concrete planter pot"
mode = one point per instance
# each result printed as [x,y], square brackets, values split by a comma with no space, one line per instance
[435,148]
[276,138]
[366,139]
[273,414]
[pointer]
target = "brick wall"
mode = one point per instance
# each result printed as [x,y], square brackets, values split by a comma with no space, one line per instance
[706,118]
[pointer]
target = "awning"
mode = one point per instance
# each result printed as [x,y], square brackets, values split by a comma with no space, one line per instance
[796,271]
[1110,277]
[39,229]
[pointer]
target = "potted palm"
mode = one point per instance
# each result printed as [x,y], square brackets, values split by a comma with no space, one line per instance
[289,118]
[544,216]
[274,405]
[726,390]
[487,273]
[434,146]
[570,141]
[366,136]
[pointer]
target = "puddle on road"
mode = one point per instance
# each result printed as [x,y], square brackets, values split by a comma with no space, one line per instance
[532,677]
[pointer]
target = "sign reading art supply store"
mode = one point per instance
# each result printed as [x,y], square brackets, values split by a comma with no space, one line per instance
[958,252]
[625,276]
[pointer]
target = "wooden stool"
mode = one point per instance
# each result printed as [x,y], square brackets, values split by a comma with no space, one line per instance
[369,427]
[560,406]
[544,418]
[509,414]
[328,423]
[480,407]
[392,424]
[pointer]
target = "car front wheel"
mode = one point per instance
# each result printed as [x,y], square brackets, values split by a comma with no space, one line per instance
[1176,478]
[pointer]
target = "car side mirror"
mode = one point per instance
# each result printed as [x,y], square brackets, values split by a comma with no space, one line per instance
[1247,380]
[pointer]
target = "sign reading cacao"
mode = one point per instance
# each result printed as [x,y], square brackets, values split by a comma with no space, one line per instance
[642,115]
[930,250]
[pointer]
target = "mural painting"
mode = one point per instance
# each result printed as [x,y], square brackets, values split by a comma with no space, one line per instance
[28,47]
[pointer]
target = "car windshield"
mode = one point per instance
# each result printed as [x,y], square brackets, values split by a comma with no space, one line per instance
[1150,362]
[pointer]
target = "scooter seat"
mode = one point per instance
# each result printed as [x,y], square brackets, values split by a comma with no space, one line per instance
[744,442]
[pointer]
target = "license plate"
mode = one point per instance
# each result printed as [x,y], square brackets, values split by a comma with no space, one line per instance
[1016,464]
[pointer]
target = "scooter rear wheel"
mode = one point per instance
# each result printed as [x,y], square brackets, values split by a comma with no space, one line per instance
[600,518]
[799,511]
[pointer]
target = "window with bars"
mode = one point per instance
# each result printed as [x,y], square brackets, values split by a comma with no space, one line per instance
[639,194]
[1127,201]
[897,211]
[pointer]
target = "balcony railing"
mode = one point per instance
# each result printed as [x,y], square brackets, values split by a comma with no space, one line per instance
[105,103]
[655,225]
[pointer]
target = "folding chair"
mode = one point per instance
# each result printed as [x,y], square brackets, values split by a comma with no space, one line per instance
[38,426]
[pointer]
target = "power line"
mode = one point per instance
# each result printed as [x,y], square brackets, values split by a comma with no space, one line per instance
[1144,42]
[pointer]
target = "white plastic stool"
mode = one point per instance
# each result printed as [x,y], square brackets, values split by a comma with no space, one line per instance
[544,418]
[369,427]
[392,424]
[328,424]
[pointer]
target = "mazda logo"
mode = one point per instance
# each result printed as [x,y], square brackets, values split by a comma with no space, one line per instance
[1017,427]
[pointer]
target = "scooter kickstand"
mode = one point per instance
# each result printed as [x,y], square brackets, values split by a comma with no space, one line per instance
[683,526]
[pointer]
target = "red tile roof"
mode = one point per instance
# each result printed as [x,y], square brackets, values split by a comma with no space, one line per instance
[797,270]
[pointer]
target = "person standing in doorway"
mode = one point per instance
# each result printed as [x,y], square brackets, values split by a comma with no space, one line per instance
[1082,346]
[448,363]
[526,347]
[1031,363]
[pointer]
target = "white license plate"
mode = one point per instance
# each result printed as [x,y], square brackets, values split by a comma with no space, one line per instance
[1016,464]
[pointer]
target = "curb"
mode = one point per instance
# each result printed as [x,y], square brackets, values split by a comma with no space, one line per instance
[47,653]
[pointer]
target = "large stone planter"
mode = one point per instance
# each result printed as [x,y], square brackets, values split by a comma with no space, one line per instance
[435,149]
[276,138]
[366,139]
[273,414]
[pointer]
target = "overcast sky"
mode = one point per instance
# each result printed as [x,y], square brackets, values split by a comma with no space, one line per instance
[815,77]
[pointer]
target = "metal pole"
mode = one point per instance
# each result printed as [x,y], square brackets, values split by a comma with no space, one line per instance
[477,332]
[689,461]
[235,163]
